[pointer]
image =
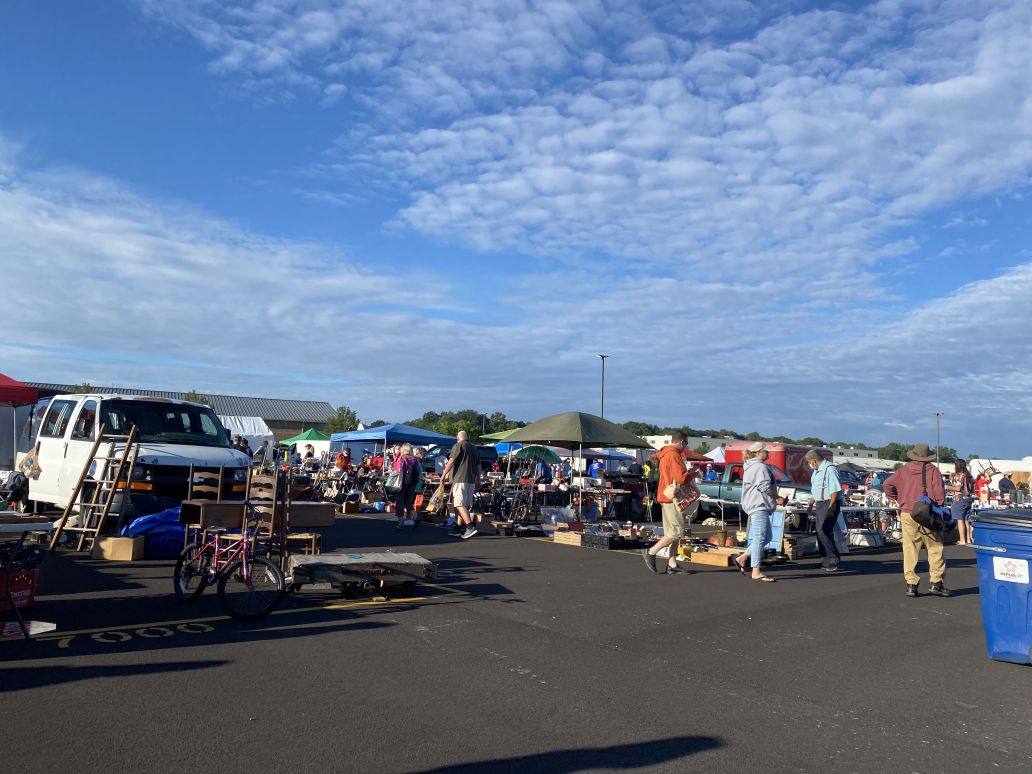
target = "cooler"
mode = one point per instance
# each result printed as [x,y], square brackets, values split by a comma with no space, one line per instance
[1003,545]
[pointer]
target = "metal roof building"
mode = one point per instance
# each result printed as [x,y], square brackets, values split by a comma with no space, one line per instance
[279,414]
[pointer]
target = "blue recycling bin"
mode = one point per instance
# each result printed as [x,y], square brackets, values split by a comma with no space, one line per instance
[1003,544]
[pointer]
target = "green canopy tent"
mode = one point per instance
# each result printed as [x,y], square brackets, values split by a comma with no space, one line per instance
[575,430]
[501,435]
[311,434]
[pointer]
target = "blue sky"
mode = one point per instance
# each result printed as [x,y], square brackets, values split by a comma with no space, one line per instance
[788,217]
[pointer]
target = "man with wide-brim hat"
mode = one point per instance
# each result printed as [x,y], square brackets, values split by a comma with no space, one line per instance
[906,486]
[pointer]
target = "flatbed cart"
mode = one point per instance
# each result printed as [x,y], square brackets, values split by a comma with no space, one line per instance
[355,575]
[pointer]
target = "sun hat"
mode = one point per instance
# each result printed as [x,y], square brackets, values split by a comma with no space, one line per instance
[758,447]
[921,453]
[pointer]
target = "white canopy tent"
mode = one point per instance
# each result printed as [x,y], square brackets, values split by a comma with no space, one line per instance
[253,429]
[717,455]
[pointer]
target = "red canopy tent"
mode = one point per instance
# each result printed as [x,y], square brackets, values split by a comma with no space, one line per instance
[14,393]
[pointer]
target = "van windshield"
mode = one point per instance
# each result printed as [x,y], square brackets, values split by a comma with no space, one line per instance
[164,422]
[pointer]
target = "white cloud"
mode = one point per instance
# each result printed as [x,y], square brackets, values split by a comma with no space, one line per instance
[748,170]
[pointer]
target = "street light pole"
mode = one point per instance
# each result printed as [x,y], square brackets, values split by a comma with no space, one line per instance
[937,415]
[602,401]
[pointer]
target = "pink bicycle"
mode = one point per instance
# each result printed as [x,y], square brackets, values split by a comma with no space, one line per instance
[249,586]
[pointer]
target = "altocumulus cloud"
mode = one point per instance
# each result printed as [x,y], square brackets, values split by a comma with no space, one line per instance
[731,162]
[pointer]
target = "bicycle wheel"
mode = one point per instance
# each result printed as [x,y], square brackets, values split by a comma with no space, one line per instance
[250,601]
[193,568]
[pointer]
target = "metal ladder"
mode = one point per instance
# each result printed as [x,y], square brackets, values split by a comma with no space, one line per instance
[94,511]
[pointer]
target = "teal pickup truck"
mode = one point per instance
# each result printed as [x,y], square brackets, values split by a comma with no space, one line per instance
[728,490]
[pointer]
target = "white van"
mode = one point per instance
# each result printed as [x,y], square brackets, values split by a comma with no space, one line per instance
[173,435]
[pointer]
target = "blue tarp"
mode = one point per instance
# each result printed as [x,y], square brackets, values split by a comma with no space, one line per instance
[387,434]
[163,534]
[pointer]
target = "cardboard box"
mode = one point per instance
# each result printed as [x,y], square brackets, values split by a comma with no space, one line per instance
[118,549]
[568,538]
[350,507]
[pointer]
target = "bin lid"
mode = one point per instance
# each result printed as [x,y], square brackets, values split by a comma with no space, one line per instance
[1010,517]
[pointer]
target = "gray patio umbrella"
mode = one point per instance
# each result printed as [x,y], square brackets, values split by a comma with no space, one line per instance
[575,430]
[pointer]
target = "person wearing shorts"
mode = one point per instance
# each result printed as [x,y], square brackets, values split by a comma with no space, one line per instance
[464,467]
[672,470]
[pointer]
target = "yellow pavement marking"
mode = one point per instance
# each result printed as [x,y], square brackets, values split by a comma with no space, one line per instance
[56,635]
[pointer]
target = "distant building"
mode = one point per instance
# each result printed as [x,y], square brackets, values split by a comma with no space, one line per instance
[694,442]
[284,417]
[842,454]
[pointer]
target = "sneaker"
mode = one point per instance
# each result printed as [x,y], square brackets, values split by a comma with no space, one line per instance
[470,532]
[650,560]
[911,589]
[939,589]
[832,568]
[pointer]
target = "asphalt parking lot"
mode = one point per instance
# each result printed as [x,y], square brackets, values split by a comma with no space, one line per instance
[525,656]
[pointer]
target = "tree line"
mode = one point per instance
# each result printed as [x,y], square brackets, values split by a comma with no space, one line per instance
[478,424]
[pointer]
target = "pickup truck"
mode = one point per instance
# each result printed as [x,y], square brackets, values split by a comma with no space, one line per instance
[729,489]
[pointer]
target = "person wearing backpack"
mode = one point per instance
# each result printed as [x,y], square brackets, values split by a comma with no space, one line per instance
[409,471]
[906,486]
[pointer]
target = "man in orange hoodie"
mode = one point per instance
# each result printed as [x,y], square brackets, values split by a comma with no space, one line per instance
[672,470]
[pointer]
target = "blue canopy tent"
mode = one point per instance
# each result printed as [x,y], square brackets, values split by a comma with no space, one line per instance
[505,447]
[388,434]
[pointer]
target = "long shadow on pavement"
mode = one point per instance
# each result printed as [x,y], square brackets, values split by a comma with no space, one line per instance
[23,679]
[141,637]
[621,756]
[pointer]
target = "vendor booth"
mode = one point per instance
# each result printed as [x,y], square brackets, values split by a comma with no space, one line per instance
[385,435]
[310,437]
[16,400]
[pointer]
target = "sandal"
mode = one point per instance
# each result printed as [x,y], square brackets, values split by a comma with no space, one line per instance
[740,566]
[766,579]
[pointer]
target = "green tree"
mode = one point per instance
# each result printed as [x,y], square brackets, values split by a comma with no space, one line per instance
[378,423]
[702,448]
[894,451]
[947,454]
[641,429]
[80,389]
[344,420]
[196,397]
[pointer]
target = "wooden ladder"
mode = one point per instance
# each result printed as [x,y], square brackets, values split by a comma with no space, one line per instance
[94,511]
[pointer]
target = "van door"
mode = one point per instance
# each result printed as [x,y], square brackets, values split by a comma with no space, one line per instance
[52,447]
[79,443]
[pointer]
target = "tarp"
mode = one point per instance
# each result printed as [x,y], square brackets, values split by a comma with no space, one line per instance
[386,434]
[311,434]
[253,429]
[574,429]
[507,448]
[717,455]
[14,393]
[609,454]
[15,434]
